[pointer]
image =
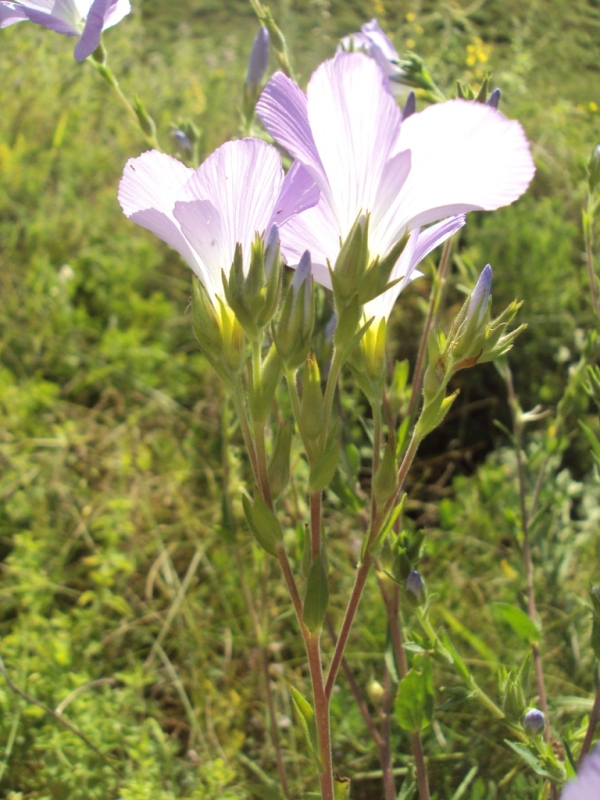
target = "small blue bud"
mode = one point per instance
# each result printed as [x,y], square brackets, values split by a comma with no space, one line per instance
[494,99]
[259,59]
[534,721]
[478,302]
[410,106]
[415,584]
[182,140]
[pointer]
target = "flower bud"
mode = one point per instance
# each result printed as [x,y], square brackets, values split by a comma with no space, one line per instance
[410,106]
[479,300]
[351,264]
[293,332]
[494,99]
[415,584]
[312,409]
[534,721]
[259,59]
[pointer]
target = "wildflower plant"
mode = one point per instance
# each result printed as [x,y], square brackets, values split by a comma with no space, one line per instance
[370,192]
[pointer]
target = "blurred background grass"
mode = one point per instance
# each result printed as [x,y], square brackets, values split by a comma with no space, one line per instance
[113,435]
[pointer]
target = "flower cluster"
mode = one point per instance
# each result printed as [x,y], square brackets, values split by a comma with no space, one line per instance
[354,157]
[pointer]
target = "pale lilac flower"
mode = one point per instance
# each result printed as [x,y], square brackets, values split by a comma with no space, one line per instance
[373,41]
[85,19]
[238,192]
[586,786]
[348,131]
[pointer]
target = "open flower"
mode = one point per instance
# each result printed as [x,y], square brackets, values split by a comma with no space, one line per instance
[586,786]
[373,41]
[348,132]
[85,19]
[237,193]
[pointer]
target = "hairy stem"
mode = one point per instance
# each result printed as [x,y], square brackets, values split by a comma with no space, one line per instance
[527,558]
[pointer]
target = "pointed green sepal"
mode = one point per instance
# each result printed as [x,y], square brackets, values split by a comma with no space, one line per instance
[351,264]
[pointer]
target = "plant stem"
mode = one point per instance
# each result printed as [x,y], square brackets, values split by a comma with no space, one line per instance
[589,734]
[315,524]
[392,607]
[264,657]
[527,558]
[321,709]
[109,76]
[434,303]
[364,567]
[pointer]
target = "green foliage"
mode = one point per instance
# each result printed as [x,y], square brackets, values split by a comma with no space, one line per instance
[115,446]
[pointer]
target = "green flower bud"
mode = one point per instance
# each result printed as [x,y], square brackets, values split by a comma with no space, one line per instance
[279,465]
[254,296]
[293,333]
[351,264]
[385,482]
[312,410]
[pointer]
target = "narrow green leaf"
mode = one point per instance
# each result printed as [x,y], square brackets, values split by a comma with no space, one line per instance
[263,523]
[317,596]
[307,720]
[518,620]
[321,474]
[460,665]
[476,643]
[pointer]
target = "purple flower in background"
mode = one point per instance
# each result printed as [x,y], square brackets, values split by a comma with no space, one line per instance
[259,59]
[586,786]
[239,191]
[85,19]
[438,164]
[374,42]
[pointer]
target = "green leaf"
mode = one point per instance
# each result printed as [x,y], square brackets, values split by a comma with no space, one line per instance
[518,620]
[317,596]
[471,638]
[545,765]
[592,439]
[321,473]
[307,720]
[263,523]
[460,665]
[414,701]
